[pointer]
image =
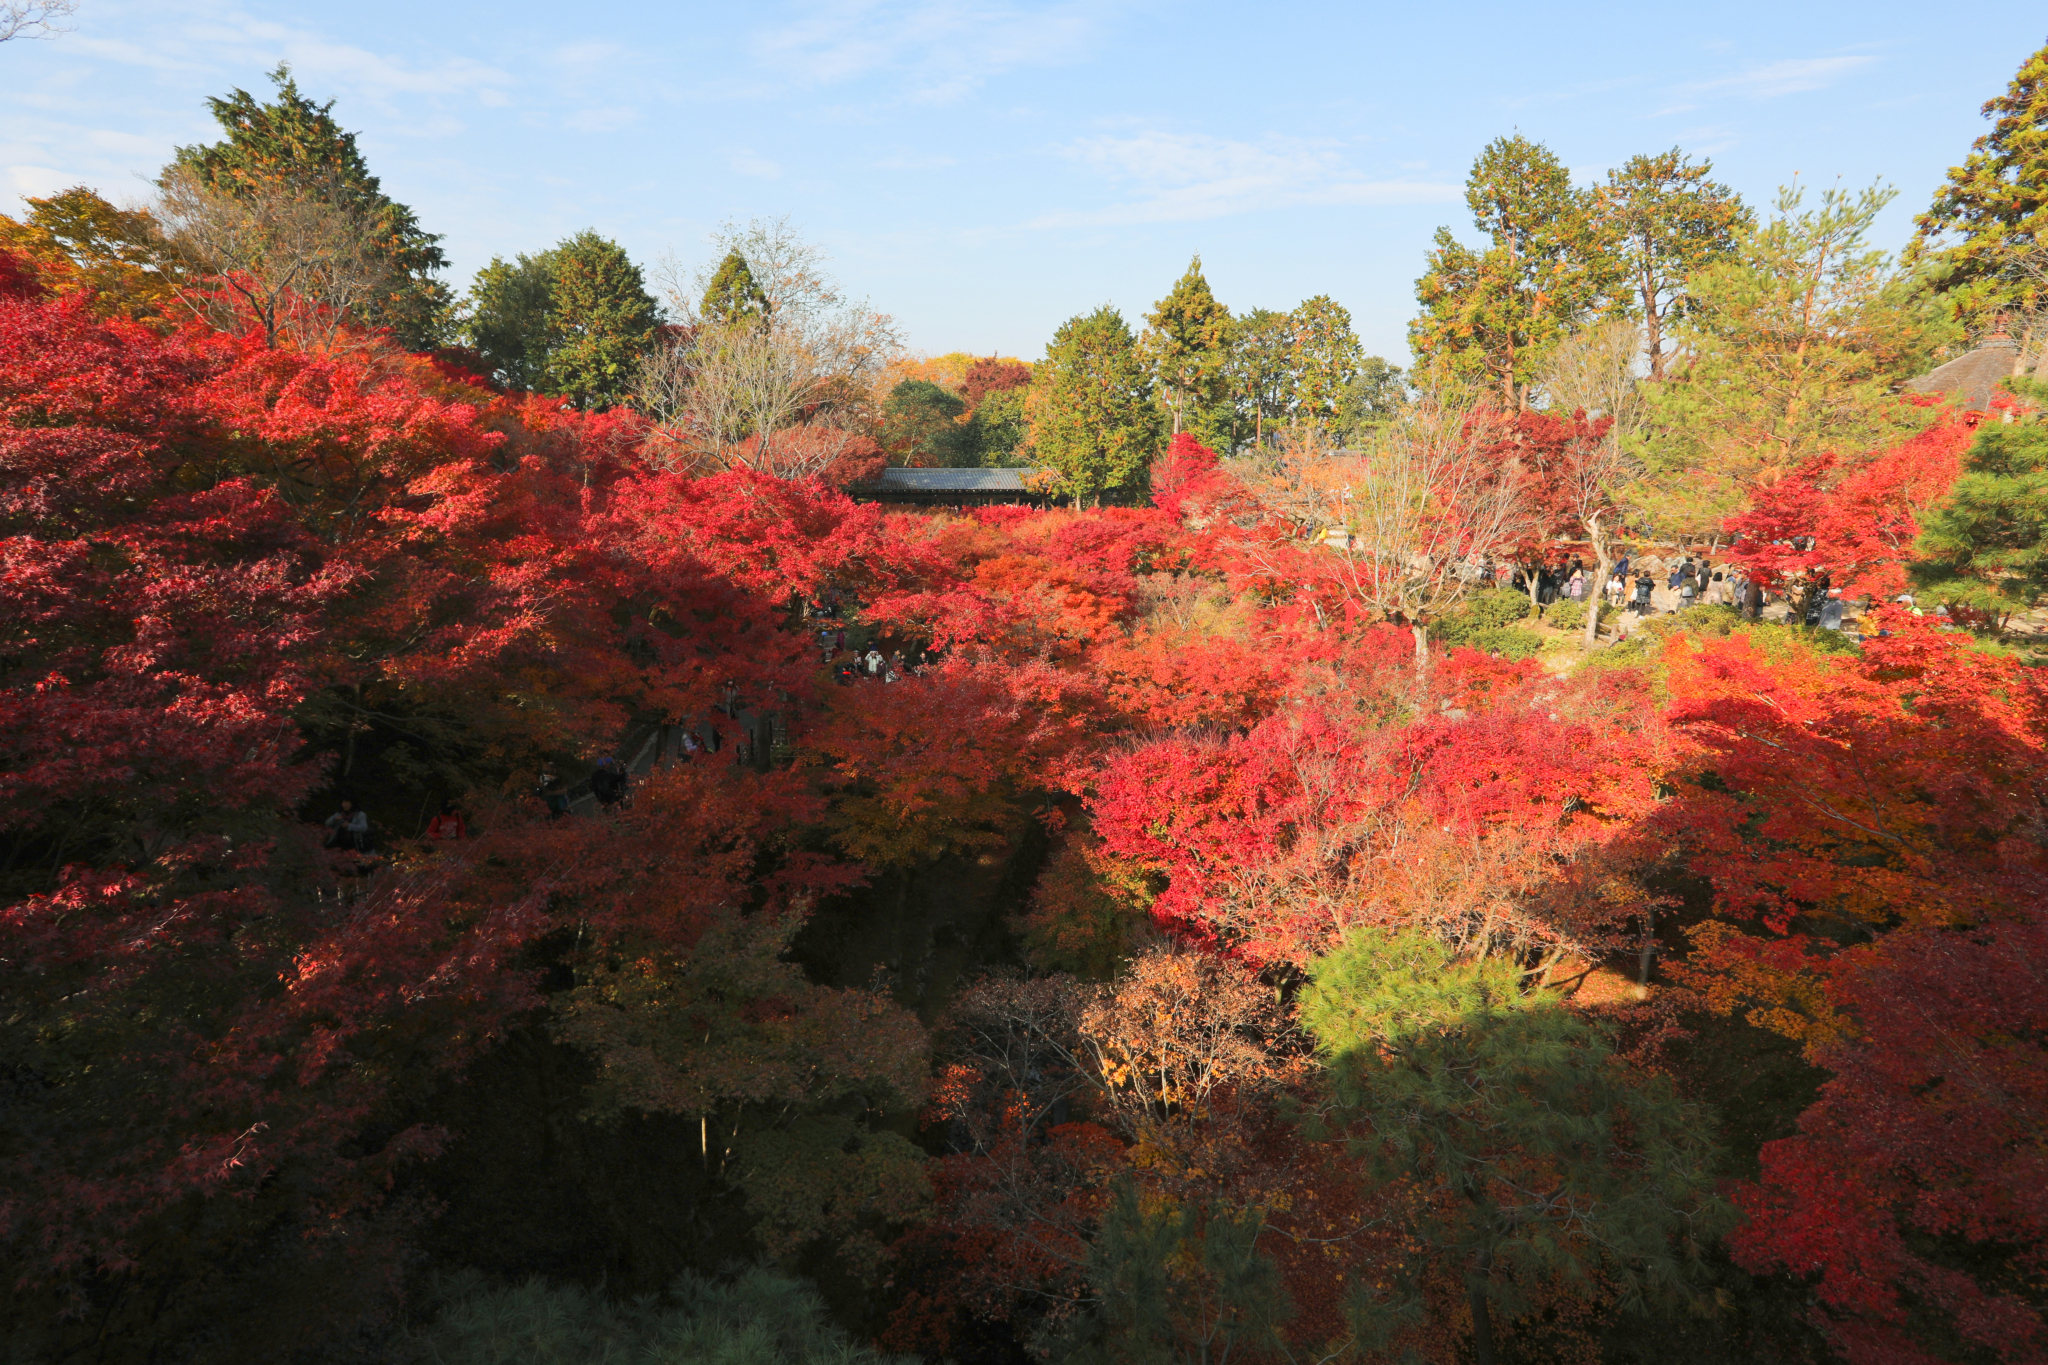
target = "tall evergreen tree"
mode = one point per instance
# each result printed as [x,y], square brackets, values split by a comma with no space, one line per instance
[509,319]
[1985,545]
[1093,420]
[298,143]
[1490,316]
[1668,221]
[734,295]
[1324,356]
[1179,1280]
[921,426]
[602,320]
[1373,398]
[999,428]
[1989,220]
[574,320]
[1795,346]
[1260,373]
[1187,342]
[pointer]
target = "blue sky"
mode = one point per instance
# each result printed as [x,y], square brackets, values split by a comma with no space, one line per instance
[983,170]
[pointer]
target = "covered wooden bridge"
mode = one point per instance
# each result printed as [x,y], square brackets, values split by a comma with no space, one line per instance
[953,488]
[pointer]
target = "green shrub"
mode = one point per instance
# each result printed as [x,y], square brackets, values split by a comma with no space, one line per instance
[1497,607]
[1511,642]
[760,1318]
[1491,613]
[1565,614]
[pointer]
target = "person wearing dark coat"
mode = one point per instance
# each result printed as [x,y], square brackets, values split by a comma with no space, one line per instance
[608,783]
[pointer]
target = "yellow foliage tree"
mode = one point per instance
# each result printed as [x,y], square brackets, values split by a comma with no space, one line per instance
[81,244]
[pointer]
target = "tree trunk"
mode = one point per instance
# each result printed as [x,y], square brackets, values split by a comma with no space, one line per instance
[348,759]
[1649,948]
[1653,328]
[1421,633]
[1482,1325]
[1596,598]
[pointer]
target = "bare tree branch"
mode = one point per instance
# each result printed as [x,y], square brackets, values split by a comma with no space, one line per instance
[296,264]
[1406,526]
[34,18]
[787,395]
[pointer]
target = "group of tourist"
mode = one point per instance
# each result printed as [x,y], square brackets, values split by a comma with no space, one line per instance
[1644,589]
[349,829]
[872,665]
[827,609]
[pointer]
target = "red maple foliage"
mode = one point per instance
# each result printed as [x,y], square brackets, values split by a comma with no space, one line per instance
[232,571]
[1869,824]
[205,543]
[1858,522]
[1273,841]
[992,374]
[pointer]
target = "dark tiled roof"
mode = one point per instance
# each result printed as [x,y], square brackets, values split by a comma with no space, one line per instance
[1971,379]
[952,480]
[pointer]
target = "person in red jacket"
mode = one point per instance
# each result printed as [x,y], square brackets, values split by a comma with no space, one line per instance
[449,824]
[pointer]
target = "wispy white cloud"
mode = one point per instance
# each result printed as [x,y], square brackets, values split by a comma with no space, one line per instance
[587,55]
[1793,76]
[935,50]
[1706,139]
[226,36]
[1790,76]
[1183,177]
[375,73]
[40,181]
[759,167]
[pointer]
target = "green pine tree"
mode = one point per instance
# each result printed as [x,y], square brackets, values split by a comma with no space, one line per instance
[1794,344]
[508,319]
[1491,316]
[1187,343]
[1985,546]
[1179,1281]
[297,142]
[1260,374]
[1987,229]
[733,295]
[1093,420]
[601,321]
[1534,1156]
[1668,222]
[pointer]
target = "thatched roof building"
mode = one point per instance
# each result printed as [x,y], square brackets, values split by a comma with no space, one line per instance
[1971,379]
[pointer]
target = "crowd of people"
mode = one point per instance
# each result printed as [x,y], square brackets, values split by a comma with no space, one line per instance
[1639,587]
[851,666]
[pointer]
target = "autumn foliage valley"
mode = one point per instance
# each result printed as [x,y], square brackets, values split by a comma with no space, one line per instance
[1242,901]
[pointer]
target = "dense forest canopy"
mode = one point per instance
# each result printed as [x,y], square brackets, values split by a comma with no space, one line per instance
[512,853]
